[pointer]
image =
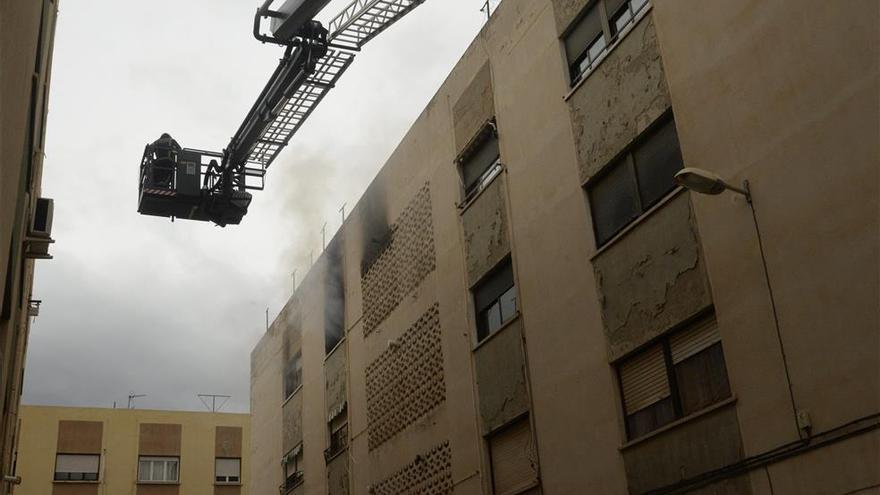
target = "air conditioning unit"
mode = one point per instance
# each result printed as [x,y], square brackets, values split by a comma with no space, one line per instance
[40,229]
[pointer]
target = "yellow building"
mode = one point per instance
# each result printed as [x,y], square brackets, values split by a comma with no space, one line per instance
[93,451]
[27,32]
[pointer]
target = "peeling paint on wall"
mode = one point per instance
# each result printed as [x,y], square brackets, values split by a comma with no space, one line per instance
[473,108]
[652,279]
[485,231]
[501,380]
[625,94]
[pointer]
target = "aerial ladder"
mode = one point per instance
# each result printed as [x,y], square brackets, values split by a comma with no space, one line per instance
[214,186]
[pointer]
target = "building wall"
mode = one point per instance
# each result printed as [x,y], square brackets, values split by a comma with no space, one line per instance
[26,41]
[538,405]
[120,436]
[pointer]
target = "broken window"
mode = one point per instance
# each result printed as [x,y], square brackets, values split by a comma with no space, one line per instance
[495,300]
[293,374]
[600,25]
[227,470]
[76,467]
[635,181]
[678,376]
[480,162]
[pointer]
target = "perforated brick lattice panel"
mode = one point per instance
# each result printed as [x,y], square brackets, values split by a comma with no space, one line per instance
[402,266]
[406,381]
[429,474]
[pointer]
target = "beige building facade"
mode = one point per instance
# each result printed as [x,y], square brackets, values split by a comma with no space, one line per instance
[96,451]
[525,301]
[27,31]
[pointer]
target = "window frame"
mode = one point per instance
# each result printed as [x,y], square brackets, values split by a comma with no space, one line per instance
[297,477]
[708,317]
[483,329]
[626,159]
[165,460]
[296,362]
[483,137]
[338,440]
[609,33]
[83,479]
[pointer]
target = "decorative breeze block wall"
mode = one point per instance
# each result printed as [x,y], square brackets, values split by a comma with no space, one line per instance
[406,381]
[429,474]
[403,264]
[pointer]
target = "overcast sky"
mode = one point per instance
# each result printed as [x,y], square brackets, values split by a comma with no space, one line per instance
[140,304]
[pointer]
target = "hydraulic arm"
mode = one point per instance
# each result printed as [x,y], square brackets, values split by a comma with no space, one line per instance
[188,183]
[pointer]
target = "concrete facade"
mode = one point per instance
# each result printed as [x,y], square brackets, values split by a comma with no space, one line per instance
[119,438]
[783,94]
[26,40]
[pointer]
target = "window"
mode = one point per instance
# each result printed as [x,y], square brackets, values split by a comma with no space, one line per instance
[77,467]
[676,377]
[513,458]
[591,36]
[158,469]
[334,297]
[291,463]
[293,374]
[481,162]
[495,300]
[338,437]
[634,182]
[227,470]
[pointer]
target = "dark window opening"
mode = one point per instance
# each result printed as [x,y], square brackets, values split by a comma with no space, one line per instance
[480,165]
[375,246]
[634,182]
[495,300]
[334,298]
[293,374]
[681,374]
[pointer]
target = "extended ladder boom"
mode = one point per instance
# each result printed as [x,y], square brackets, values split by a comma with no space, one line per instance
[314,60]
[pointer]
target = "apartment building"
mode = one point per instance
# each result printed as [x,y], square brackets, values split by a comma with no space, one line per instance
[82,451]
[526,301]
[26,40]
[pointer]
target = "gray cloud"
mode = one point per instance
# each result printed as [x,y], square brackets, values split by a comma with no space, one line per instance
[140,304]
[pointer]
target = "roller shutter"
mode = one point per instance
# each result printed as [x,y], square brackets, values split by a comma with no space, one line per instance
[514,463]
[644,379]
[689,342]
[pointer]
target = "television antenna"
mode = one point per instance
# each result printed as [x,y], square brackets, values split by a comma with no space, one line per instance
[212,406]
[131,397]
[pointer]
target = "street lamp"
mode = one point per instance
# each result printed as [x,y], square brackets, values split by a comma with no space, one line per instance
[706,182]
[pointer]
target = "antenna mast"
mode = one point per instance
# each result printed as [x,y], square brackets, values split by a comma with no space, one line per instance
[213,407]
